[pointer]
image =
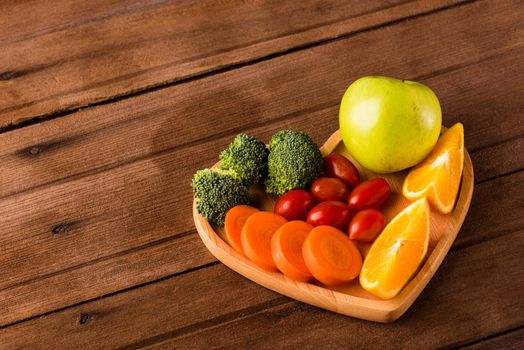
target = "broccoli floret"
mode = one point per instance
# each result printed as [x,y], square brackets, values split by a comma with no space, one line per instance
[294,162]
[247,157]
[217,191]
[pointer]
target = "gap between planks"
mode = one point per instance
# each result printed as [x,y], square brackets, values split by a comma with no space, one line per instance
[245,128]
[495,338]
[275,303]
[97,260]
[453,249]
[36,119]
[177,274]
[138,248]
[97,18]
[36,164]
[290,305]
[272,302]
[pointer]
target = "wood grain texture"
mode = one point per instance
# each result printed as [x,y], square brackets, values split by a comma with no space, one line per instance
[512,340]
[118,221]
[446,314]
[28,262]
[167,41]
[501,158]
[105,218]
[88,224]
[166,257]
[351,299]
[184,296]
[21,20]
[234,311]
[180,116]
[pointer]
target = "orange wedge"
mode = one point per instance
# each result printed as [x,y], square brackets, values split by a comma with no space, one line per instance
[397,253]
[438,176]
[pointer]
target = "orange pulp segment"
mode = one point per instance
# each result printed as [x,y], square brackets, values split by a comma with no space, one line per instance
[398,251]
[438,176]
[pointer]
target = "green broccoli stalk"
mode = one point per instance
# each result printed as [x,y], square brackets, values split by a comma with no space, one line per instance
[294,162]
[217,191]
[247,157]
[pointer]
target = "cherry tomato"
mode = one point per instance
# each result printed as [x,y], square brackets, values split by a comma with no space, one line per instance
[294,205]
[332,213]
[366,225]
[369,194]
[341,168]
[329,189]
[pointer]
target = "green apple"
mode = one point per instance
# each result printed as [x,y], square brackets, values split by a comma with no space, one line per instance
[389,124]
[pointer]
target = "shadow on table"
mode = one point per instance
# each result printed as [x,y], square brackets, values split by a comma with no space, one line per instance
[217,115]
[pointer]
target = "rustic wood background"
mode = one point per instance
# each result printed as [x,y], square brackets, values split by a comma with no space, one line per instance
[108,107]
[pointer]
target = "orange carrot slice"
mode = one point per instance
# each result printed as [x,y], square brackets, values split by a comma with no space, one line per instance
[256,238]
[286,247]
[330,256]
[235,219]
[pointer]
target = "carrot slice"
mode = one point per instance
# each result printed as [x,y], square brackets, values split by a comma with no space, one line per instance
[330,256]
[235,219]
[256,238]
[286,247]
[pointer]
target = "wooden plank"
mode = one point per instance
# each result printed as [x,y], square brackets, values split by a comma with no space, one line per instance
[501,158]
[103,276]
[116,55]
[20,20]
[513,340]
[131,264]
[179,116]
[226,305]
[42,230]
[447,312]
[181,295]
[489,206]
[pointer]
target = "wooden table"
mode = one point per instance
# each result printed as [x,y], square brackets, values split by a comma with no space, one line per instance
[107,108]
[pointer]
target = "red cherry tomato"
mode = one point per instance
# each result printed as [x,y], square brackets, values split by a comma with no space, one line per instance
[366,225]
[294,205]
[329,189]
[369,194]
[332,213]
[341,168]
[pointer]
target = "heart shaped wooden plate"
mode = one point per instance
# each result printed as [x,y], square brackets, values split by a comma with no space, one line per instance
[351,299]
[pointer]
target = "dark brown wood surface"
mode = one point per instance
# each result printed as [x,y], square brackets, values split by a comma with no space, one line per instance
[129,47]
[97,244]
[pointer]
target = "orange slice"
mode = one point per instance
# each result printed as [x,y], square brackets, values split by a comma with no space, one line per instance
[438,176]
[397,253]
